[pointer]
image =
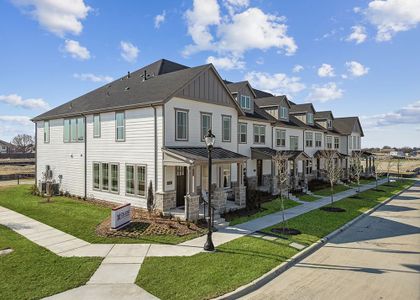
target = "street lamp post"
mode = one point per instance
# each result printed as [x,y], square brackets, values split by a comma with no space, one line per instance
[209,140]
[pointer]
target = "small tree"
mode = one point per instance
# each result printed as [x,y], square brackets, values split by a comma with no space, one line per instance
[150,199]
[389,163]
[24,143]
[378,164]
[333,171]
[280,160]
[356,167]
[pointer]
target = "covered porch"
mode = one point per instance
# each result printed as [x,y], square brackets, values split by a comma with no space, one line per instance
[185,181]
[341,159]
[368,163]
[297,166]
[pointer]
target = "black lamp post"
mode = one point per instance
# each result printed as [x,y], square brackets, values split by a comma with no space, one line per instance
[209,139]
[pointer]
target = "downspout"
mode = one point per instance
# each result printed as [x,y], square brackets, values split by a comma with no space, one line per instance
[36,154]
[85,155]
[156,147]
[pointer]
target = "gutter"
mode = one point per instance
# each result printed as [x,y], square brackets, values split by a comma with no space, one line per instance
[155,146]
[85,155]
[36,153]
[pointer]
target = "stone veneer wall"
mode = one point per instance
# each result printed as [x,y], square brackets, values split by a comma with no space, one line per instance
[192,207]
[165,201]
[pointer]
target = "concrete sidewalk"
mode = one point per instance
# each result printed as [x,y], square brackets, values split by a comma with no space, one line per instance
[122,262]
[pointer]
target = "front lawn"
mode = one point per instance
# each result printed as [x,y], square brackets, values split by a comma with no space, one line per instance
[76,217]
[207,275]
[32,272]
[307,197]
[327,191]
[269,207]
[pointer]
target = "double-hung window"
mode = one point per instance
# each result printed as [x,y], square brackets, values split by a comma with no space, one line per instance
[242,133]
[46,131]
[74,130]
[96,126]
[280,138]
[309,139]
[226,176]
[96,176]
[120,126]
[336,142]
[283,112]
[205,124]
[318,139]
[181,125]
[309,118]
[135,177]
[259,134]
[294,142]
[115,177]
[245,102]
[350,144]
[80,129]
[105,177]
[66,130]
[329,142]
[226,128]
[329,123]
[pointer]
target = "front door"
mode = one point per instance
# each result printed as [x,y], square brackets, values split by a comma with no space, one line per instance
[318,167]
[181,185]
[259,172]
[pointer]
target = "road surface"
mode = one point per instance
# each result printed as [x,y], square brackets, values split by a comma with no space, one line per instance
[376,258]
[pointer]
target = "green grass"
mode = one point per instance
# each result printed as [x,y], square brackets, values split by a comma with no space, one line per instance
[78,218]
[266,209]
[327,191]
[32,272]
[307,197]
[207,275]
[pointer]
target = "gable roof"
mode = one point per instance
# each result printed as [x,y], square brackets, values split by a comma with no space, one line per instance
[235,87]
[272,101]
[346,125]
[301,124]
[302,108]
[133,91]
[4,143]
[262,94]
[323,115]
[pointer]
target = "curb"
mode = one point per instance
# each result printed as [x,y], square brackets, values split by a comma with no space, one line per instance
[267,277]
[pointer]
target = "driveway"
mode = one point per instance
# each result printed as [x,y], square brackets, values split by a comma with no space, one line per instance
[376,258]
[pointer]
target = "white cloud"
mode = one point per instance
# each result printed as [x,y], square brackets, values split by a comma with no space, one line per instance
[297,68]
[30,103]
[358,34]
[235,5]
[226,63]
[260,61]
[409,114]
[356,69]
[278,83]
[11,126]
[160,19]
[392,16]
[57,16]
[129,52]
[326,70]
[76,50]
[237,32]
[92,77]
[357,9]
[323,93]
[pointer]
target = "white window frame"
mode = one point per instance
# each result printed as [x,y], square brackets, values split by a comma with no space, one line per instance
[259,134]
[186,112]
[309,139]
[318,142]
[99,176]
[329,141]
[136,180]
[47,130]
[336,142]
[110,178]
[280,138]
[283,112]
[119,139]
[245,102]
[241,133]
[329,123]
[96,126]
[294,137]
[204,132]
[309,118]
[224,138]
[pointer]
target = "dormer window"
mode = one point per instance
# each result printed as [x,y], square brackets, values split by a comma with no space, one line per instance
[309,118]
[283,112]
[245,102]
[329,123]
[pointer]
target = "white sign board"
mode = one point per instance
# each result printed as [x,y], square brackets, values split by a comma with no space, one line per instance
[121,216]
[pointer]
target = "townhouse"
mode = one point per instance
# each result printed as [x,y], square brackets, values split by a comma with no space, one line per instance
[147,128]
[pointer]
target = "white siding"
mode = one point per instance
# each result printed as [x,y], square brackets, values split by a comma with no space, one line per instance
[66,159]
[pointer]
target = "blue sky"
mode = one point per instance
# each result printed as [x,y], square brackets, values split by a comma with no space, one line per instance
[351,57]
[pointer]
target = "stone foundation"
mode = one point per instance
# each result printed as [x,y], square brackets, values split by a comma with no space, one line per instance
[192,207]
[219,199]
[240,196]
[164,201]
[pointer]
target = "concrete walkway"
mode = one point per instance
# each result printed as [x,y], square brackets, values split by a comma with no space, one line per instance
[376,258]
[122,262]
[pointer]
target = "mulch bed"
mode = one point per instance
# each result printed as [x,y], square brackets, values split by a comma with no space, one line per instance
[332,209]
[144,225]
[286,231]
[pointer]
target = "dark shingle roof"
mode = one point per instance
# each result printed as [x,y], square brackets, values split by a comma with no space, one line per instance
[300,108]
[269,153]
[299,123]
[130,91]
[322,115]
[262,94]
[270,101]
[260,114]
[235,87]
[201,153]
[346,125]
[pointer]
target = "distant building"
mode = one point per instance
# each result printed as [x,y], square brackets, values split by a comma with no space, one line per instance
[397,153]
[6,147]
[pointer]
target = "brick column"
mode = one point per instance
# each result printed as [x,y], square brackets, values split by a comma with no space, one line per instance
[192,207]
[219,199]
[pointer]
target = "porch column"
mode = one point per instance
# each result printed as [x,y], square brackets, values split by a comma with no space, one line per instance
[366,168]
[192,201]
[373,164]
[370,165]
[240,190]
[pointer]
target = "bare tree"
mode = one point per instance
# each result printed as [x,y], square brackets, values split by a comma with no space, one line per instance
[378,164]
[389,163]
[24,143]
[356,167]
[333,171]
[281,161]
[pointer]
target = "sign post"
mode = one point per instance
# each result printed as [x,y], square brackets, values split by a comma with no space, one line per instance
[121,216]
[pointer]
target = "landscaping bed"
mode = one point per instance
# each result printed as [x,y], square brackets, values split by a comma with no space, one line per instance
[32,272]
[208,275]
[81,218]
[244,215]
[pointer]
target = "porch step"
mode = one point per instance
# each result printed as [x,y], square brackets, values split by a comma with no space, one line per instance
[219,222]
